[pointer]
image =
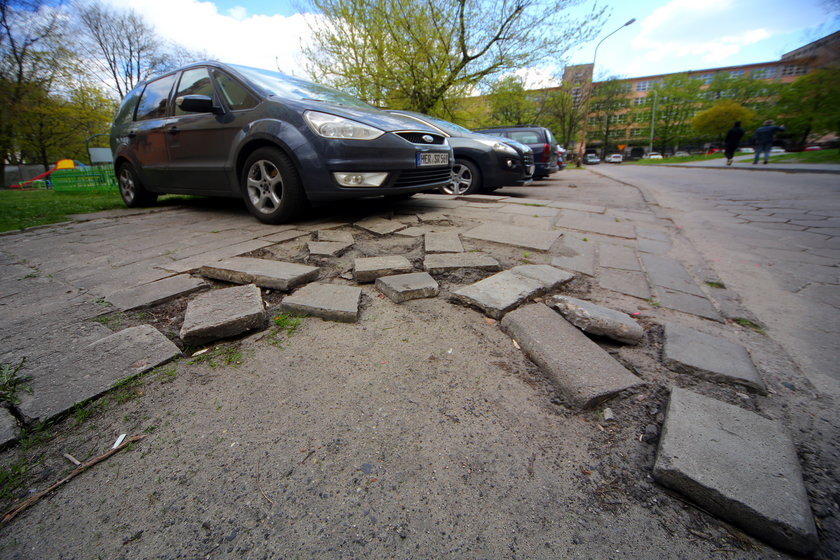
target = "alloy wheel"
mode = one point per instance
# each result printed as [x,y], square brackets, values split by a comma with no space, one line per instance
[265,186]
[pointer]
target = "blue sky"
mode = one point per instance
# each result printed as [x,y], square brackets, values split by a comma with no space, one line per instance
[668,35]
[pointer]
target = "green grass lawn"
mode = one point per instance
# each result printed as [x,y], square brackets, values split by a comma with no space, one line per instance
[702,157]
[23,209]
[817,156]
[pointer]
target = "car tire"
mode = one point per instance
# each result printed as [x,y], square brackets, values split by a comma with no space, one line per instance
[132,191]
[466,178]
[271,186]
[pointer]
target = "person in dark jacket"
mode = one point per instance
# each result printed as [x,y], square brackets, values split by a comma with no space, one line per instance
[764,140]
[733,139]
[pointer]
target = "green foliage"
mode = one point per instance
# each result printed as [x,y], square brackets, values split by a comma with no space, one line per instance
[11,383]
[12,477]
[808,106]
[287,323]
[673,101]
[715,122]
[818,156]
[419,54]
[509,102]
[607,106]
[226,354]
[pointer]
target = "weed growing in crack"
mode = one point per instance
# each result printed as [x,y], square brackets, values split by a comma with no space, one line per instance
[11,383]
[744,322]
[715,284]
[228,355]
[284,324]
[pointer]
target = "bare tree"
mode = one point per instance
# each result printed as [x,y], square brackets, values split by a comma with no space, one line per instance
[122,48]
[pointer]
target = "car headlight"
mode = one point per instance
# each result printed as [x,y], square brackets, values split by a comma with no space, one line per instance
[499,147]
[332,126]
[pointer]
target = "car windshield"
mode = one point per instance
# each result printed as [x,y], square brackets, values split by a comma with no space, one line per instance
[446,126]
[290,87]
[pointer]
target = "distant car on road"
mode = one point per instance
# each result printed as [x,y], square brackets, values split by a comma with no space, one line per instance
[681,154]
[777,150]
[591,159]
[654,155]
[276,141]
[614,158]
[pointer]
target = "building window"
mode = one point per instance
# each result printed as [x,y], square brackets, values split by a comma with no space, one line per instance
[736,73]
[639,101]
[635,132]
[707,78]
[644,86]
[793,70]
[764,73]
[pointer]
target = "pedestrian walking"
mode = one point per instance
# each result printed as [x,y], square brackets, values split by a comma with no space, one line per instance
[764,140]
[732,141]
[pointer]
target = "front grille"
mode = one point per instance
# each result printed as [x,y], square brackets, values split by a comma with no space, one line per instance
[420,177]
[417,138]
[528,158]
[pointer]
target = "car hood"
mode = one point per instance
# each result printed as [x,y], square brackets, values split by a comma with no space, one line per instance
[382,120]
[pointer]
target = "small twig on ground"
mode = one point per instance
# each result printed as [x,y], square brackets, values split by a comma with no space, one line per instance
[35,498]
[259,486]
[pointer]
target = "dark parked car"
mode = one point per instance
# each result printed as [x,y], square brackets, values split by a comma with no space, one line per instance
[540,140]
[482,163]
[276,141]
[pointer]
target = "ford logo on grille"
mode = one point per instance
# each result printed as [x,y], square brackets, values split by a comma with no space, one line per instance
[428,139]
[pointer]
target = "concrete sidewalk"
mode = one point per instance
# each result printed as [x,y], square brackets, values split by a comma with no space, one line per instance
[64,288]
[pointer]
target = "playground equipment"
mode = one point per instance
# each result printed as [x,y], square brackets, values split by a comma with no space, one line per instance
[72,175]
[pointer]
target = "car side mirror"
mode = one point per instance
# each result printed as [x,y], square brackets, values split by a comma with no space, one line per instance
[197,104]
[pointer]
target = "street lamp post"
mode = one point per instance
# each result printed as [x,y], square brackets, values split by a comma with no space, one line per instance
[592,84]
[652,121]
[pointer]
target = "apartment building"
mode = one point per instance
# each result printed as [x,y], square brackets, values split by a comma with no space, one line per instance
[822,53]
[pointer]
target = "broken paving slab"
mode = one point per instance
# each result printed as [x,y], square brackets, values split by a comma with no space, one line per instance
[8,428]
[443,242]
[618,256]
[690,351]
[222,314]
[379,226]
[327,248]
[404,287]
[624,282]
[687,303]
[668,273]
[155,293]
[498,294]
[93,369]
[264,273]
[286,235]
[599,320]
[737,465]
[514,235]
[585,373]
[438,263]
[333,302]
[331,235]
[583,259]
[368,269]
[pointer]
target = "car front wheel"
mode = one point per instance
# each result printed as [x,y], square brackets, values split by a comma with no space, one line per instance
[466,178]
[132,191]
[271,186]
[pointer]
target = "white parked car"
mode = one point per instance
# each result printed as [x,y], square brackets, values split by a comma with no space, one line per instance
[614,158]
[777,150]
[681,154]
[654,155]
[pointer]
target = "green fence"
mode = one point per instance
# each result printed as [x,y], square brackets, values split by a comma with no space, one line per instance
[84,179]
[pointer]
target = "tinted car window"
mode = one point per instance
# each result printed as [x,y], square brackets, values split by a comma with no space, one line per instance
[235,94]
[125,114]
[155,99]
[289,87]
[194,82]
[525,137]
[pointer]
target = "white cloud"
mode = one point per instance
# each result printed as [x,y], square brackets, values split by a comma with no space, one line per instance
[271,42]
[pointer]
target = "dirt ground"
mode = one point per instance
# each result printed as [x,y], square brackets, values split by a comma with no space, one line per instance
[419,432]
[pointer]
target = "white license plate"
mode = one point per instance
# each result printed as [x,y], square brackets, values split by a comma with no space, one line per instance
[428,159]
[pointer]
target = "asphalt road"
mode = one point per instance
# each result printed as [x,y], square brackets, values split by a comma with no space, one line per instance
[773,237]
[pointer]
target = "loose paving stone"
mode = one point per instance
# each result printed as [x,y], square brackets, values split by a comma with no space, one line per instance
[447,262]
[445,242]
[582,261]
[277,275]
[498,294]
[93,369]
[404,287]
[690,351]
[599,320]
[222,314]
[513,235]
[335,236]
[618,256]
[379,226]
[286,235]
[203,258]
[155,293]
[586,221]
[368,269]
[333,302]
[327,248]
[624,282]
[8,428]
[687,303]
[668,273]
[737,465]
[414,231]
[582,370]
